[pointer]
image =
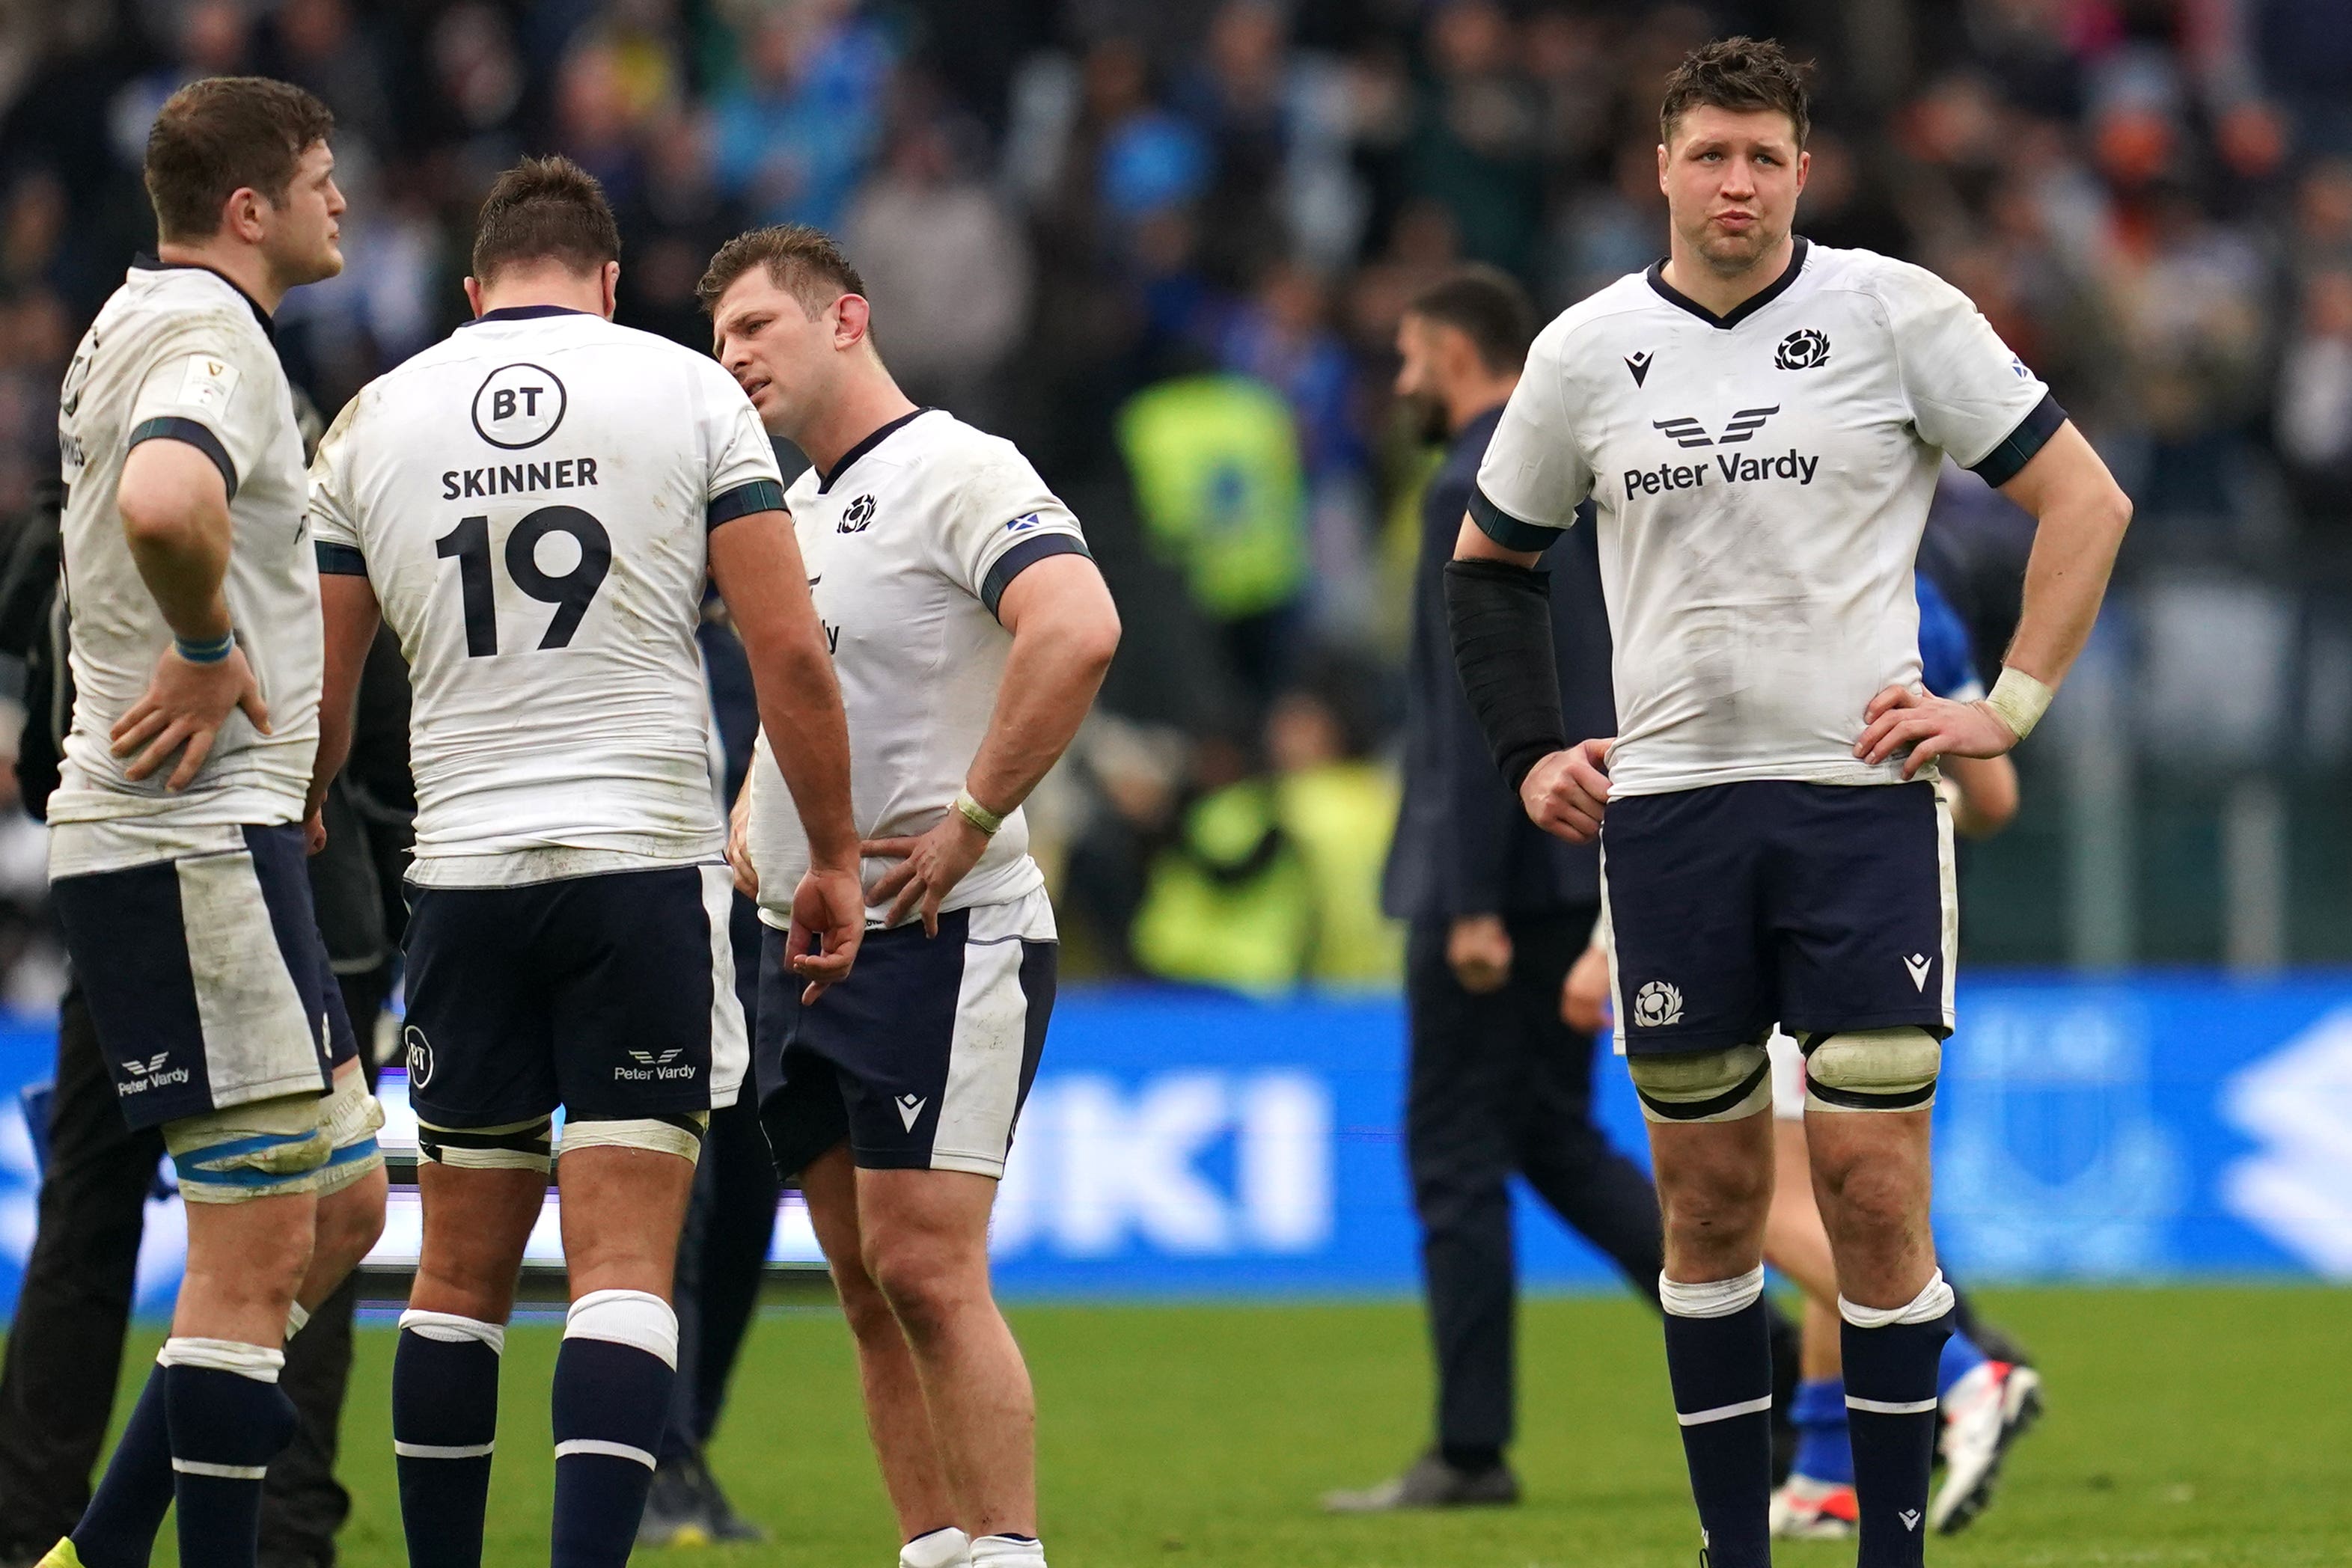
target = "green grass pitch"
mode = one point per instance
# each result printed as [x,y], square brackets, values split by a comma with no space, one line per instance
[2207,1427]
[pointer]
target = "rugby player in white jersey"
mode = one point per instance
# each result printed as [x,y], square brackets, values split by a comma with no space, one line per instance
[175,844]
[969,631]
[1759,423]
[533,506]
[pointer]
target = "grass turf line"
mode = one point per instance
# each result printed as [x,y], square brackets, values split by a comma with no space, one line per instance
[2209,1427]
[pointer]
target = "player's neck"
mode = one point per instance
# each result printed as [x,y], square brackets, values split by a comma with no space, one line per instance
[543,285]
[1687,274]
[242,265]
[867,400]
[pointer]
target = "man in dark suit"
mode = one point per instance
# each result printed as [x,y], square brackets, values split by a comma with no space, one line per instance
[1498,1083]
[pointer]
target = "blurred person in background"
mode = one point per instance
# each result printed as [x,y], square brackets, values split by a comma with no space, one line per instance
[948,264]
[1222,489]
[1497,1085]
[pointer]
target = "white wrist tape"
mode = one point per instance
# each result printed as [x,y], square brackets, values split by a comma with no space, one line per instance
[2018,700]
[978,815]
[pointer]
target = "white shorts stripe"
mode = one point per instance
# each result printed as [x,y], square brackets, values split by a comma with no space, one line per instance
[1726,1412]
[598,1445]
[730,1046]
[220,1472]
[1891,1407]
[441,1450]
[991,1033]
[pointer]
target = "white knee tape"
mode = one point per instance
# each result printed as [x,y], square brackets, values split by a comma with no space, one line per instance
[260,1362]
[638,1318]
[510,1146]
[264,1148]
[451,1329]
[681,1135]
[1715,1298]
[1873,1070]
[1933,1299]
[1727,1085]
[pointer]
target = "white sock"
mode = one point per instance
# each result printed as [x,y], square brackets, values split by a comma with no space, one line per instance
[1007,1552]
[944,1547]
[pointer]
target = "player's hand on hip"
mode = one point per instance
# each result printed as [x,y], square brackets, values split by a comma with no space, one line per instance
[184,707]
[931,865]
[1566,793]
[1904,717]
[828,923]
[1479,951]
[1584,994]
[739,845]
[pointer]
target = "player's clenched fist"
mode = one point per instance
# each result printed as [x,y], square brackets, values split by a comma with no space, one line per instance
[1930,726]
[1567,792]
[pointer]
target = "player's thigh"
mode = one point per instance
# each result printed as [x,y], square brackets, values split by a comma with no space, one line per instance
[477,1220]
[624,1207]
[923,1234]
[1863,900]
[643,1006]
[935,1041]
[478,1039]
[1682,874]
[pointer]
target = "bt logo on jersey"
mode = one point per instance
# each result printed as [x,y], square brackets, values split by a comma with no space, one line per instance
[519,406]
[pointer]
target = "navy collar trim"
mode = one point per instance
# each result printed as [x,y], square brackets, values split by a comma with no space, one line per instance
[146,263]
[866,445]
[1745,308]
[522,313]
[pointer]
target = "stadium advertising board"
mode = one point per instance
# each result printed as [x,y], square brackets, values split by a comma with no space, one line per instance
[1194,1144]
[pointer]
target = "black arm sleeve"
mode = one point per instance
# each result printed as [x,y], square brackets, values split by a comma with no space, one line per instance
[1500,619]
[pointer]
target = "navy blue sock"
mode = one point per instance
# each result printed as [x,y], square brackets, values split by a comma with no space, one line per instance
[444,1420]
[612,1393]
[1891,1408]
[1720,1362]
[117,1530]
[228,1420]
[1824,1449]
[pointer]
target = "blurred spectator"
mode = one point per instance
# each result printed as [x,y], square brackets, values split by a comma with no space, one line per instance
[1475,149]
[679,219]
[1218,480]
[795,134]
[947,264]
[1337,805]
[2315,398]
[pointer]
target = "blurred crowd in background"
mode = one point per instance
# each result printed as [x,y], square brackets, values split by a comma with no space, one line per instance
[1163,245]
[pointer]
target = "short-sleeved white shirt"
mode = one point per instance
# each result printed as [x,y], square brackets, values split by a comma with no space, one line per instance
[1760,482]
[910,542]
[181,353]
[532,501]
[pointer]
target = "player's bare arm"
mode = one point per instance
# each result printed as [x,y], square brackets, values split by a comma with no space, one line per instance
[2082,513]
[1064,630]
[755,561]
[1566,788]
[175,507]
[350,615]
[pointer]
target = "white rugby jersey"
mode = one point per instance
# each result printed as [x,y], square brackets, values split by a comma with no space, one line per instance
[181,353]
[910,542]
[532,501]
[1760,481]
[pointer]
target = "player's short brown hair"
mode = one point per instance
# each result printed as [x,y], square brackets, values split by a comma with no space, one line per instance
[804,262]
[1740,75]
[225,134]
[545,209]
[1487,305]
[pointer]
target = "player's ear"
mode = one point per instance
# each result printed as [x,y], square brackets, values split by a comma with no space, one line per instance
[474,294]
[1663,156]
[611,288]
[1804,167]
[242,214]
[851,317]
